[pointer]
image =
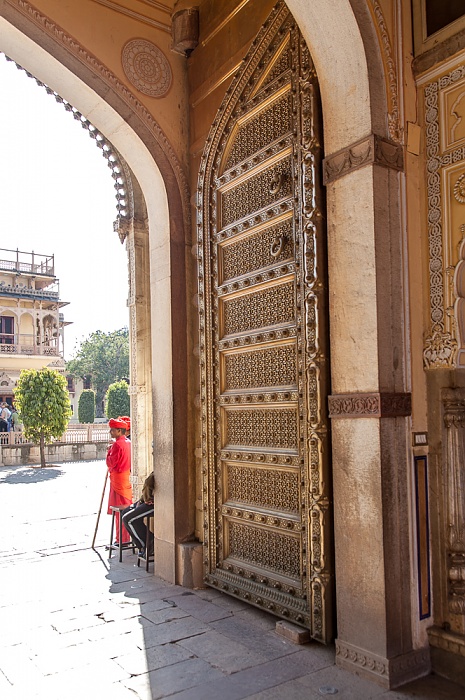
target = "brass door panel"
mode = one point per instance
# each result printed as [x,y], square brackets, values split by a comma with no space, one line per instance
[264,344]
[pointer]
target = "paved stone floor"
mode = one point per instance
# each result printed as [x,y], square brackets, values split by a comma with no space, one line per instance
[74,625]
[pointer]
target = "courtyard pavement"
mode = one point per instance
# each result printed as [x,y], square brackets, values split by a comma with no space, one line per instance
[75,625]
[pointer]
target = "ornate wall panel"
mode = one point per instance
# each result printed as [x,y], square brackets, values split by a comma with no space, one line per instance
[445,151]
[262,303]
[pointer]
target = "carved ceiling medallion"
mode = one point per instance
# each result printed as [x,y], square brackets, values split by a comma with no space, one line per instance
[146,67]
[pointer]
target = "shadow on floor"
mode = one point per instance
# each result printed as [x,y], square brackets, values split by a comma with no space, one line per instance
[30,475]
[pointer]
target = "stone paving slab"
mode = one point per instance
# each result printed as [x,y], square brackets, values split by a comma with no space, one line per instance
[153,659]
[200,608]
[78,626]
[222,653]
[168,680]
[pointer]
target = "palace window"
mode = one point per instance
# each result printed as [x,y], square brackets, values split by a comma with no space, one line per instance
[7,330]
[435,21]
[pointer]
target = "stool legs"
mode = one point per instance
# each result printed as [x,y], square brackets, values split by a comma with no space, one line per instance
[115,511]
[147,557]
[120,543]
[110,548]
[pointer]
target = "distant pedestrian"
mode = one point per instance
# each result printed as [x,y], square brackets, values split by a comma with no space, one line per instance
[5,417]
[15,420]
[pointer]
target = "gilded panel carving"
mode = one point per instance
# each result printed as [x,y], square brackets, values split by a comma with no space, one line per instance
[257,192]
[266,307]
[278,65]
[262,307]
[275,366]
[272,489]
[266,428]
[268,550]
[261,129]
[258,250]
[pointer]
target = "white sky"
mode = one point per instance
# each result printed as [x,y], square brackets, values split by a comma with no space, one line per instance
[57,197]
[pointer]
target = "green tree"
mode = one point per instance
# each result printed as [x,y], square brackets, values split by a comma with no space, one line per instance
[43,402]
[117,400]
[86,406]
[103,358]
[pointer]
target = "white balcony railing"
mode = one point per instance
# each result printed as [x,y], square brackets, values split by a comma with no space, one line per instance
[20,261]
[24,344]
[78,433]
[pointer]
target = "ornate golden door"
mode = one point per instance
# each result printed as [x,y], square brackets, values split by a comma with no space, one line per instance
[264,337]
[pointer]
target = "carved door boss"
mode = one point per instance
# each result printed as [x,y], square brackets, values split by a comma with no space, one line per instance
[263,337]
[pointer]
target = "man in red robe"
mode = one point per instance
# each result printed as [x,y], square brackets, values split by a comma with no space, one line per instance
[119,468]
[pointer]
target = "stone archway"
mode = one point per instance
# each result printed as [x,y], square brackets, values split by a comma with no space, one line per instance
[43,49]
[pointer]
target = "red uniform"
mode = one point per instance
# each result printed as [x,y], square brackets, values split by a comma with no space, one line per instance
[119,468]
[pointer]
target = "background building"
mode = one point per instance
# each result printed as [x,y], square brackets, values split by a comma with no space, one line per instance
[31,324]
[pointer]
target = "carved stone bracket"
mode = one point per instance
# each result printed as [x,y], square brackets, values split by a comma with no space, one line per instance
[372,150]
[185,30]
[374,405]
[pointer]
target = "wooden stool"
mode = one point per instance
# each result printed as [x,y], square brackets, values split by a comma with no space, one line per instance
[147,558]
[120,546]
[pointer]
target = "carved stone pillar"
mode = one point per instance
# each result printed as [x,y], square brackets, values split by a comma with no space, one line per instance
[135,233]
[447,636]
[454,451]
[370,409]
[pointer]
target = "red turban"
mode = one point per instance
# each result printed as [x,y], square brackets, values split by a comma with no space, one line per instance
[127,420]
[118,423]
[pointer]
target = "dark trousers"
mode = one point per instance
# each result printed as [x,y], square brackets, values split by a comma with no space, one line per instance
[133,519]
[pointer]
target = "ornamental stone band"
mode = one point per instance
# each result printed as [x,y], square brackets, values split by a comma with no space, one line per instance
[372,150]
[373,405]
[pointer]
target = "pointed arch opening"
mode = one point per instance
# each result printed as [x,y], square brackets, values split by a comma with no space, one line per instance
[155,235]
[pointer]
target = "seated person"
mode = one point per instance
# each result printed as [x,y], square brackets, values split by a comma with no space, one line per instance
[133,517]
